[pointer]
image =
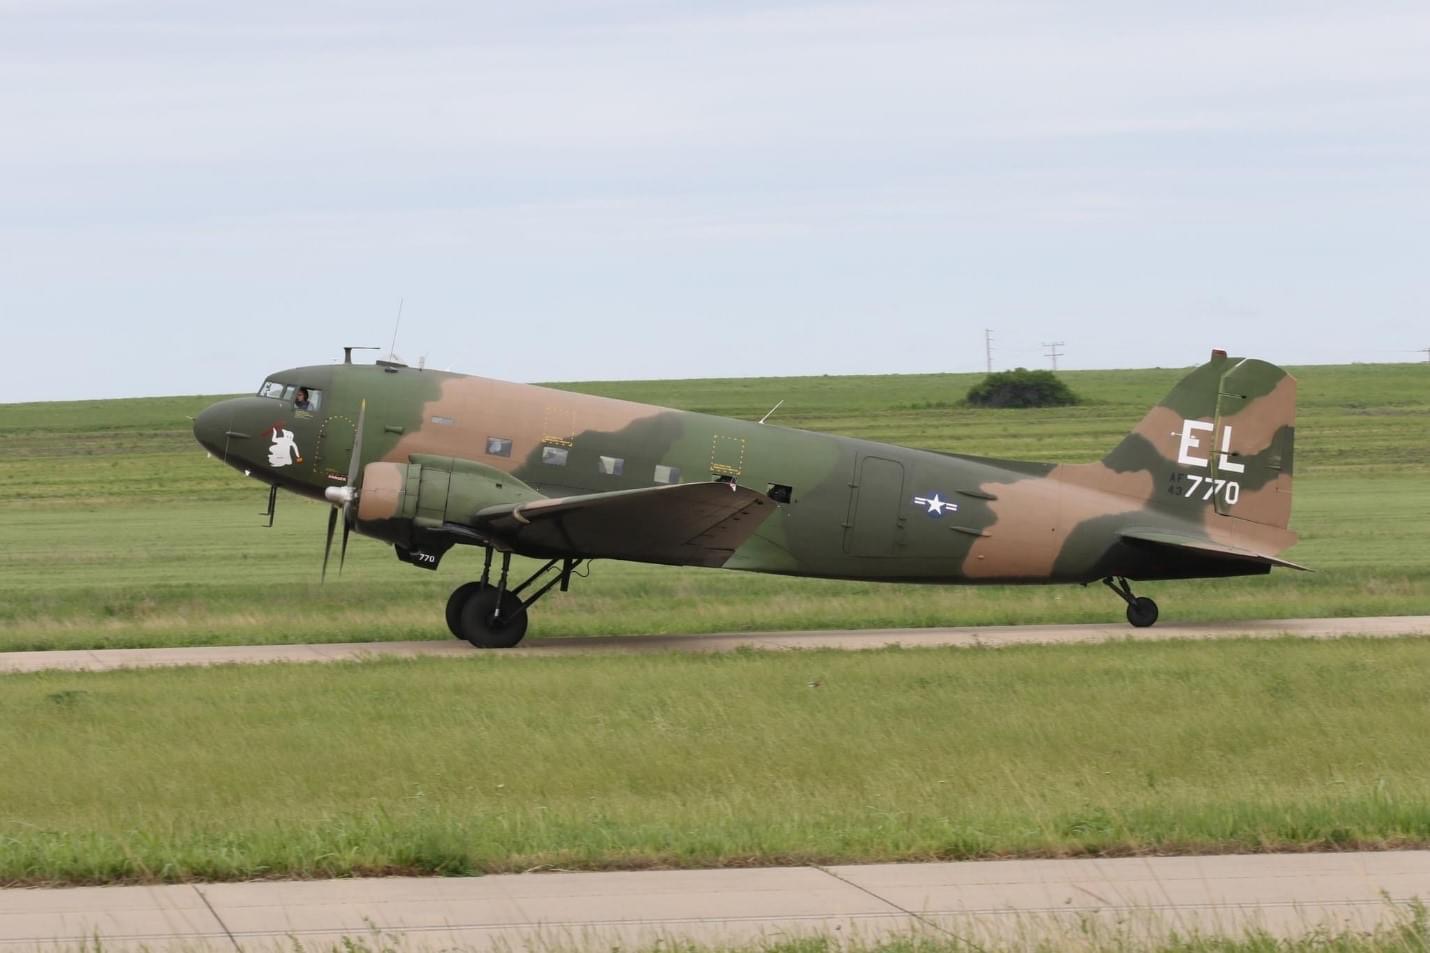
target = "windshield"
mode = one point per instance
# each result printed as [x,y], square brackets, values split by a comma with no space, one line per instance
[302,398]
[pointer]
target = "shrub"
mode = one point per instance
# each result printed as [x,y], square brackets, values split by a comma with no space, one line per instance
[1021,388]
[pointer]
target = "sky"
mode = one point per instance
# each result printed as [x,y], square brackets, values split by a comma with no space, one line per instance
[193,195]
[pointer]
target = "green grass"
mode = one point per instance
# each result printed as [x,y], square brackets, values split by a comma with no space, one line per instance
[1407,932]
[1356,418]
[116,531]
[209,573]
[504,764]
[1402,929]
[1351,418]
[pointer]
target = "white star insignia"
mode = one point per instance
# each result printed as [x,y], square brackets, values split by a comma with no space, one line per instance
[936,504]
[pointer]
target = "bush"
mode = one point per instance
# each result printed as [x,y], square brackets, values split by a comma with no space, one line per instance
[1021,388]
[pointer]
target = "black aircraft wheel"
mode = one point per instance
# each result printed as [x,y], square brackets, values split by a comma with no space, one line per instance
[454,606]
[1141,612]
[479,628]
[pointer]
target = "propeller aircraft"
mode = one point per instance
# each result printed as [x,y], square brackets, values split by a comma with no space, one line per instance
[426,460]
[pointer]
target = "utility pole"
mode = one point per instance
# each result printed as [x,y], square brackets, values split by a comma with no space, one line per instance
[1053,351]
[988,347]
[1427,353]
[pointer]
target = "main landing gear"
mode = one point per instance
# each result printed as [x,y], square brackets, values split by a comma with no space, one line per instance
[1141,611]
[494,617]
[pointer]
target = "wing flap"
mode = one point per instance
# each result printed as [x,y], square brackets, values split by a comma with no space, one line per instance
[690,524]
[1207,547]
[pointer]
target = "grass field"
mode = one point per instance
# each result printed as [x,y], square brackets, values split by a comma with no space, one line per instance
[1406,930]
[1408,934]
[116,531]
[502,764]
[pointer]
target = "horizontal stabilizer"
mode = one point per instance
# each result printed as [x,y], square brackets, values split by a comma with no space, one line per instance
[690,524]
[1206,547]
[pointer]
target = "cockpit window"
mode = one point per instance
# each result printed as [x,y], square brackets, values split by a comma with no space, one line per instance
[302,398]
[307,398]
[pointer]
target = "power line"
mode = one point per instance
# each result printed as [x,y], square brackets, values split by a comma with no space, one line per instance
[1053,351]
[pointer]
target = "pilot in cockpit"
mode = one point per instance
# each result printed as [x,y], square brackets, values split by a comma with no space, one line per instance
[300,400]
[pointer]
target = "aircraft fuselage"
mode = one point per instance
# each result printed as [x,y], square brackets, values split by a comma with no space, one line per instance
[844,507]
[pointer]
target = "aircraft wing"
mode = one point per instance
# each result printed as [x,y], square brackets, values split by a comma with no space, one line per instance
[1206,547]
[690,524]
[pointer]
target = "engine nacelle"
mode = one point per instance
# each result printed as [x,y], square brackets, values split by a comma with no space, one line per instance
[415,505]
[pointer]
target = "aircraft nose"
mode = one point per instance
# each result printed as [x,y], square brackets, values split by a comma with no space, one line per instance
[211,427]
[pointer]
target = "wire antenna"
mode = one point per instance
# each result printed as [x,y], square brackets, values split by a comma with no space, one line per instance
[392,350]
[772,411]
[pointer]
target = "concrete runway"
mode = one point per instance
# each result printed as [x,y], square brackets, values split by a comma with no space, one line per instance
[998,903]
[984,636]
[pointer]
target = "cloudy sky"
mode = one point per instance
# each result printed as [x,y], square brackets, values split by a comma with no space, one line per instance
[194,194]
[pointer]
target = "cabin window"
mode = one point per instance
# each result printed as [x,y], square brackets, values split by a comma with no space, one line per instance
[781,493]
[612,466]
[271,389]
[501,447]
[665,474]
[554,456]
[288,392]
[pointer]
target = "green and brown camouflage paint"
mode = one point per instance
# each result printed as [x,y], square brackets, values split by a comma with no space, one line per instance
[1211,463]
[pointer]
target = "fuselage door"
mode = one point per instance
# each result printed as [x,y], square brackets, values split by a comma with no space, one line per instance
[335,448]
[875,503]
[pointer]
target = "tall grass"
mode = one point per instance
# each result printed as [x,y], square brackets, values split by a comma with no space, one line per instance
[209,573]
[1404,931]
[493,764]
[116,531]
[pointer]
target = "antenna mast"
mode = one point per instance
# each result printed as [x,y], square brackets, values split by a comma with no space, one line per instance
[392,350]
[1053,351]
[348,352]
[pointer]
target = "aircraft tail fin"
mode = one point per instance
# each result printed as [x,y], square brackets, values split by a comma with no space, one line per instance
[1223,437]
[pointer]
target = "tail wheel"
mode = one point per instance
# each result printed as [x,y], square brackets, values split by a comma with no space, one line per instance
[488,626]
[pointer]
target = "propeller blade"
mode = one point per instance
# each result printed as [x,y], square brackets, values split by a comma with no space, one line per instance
[343,553]
[328,547]
[354,478]
[355,464]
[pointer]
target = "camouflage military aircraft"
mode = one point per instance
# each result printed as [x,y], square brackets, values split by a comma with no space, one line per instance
[427,460]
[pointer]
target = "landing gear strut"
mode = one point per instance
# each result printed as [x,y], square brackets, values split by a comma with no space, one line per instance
[1141,611]
[494,617]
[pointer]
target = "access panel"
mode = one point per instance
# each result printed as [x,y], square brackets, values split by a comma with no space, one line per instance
[874,505]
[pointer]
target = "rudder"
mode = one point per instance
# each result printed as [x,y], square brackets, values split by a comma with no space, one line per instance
[1224,436]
